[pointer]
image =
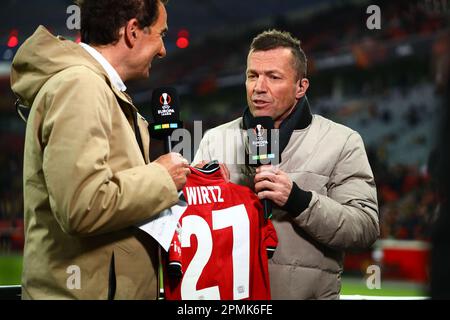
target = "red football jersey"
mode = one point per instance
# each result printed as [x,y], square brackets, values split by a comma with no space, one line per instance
[220,249]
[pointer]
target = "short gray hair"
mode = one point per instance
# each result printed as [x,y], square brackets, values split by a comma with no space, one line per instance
[272,39]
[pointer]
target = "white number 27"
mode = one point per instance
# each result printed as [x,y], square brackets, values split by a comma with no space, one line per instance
[235,217]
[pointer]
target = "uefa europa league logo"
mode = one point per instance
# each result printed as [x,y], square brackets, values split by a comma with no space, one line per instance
[165,100]
[259,132]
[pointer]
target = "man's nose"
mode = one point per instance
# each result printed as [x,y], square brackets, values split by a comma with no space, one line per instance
[162,53]
[260,85]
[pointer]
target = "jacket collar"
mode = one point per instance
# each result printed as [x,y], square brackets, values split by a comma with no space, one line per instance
[304,117]
[111,72]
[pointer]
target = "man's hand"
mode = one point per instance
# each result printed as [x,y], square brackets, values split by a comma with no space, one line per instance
[223,169]
[177,166]
[273,184]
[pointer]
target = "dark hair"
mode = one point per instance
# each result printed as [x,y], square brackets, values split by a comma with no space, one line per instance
[101,20]
[273,39]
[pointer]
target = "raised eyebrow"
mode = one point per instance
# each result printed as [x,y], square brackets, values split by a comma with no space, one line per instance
[265,71]
[273,72]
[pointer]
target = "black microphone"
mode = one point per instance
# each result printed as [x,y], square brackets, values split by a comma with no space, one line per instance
[263,148]
[166,115]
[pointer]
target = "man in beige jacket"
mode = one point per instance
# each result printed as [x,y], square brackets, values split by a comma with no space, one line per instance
[323,189]
[87,175]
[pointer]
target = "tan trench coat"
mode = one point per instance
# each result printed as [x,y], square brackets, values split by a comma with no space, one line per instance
[86,181]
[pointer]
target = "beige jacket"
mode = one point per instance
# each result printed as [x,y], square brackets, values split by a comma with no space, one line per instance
[329,160]
[86,181]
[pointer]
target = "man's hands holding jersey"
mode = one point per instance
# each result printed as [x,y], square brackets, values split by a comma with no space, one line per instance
[177,166]
[270,182]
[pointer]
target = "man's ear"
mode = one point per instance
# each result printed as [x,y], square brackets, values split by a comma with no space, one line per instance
[131,33]
[302,88]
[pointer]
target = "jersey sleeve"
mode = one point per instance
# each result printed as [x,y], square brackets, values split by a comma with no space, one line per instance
[175,258]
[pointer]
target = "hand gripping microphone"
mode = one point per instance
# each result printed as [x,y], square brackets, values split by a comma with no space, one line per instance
[263,148]
[166,115]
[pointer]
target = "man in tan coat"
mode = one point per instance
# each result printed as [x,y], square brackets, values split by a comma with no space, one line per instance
[87,175]
[323,189]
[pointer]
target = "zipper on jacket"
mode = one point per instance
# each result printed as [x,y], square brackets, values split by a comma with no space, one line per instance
[128,112]
[137,132]
[112,279]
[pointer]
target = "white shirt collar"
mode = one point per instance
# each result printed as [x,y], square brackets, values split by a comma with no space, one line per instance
[112,73]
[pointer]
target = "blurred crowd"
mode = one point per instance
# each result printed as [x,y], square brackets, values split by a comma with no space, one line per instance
[342,27]
[407,200]
[11,199]
[395,118]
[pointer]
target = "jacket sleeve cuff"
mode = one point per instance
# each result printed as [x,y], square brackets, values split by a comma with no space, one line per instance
[298,201]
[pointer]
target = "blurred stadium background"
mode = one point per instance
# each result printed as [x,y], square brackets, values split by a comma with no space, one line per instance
[378,82]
